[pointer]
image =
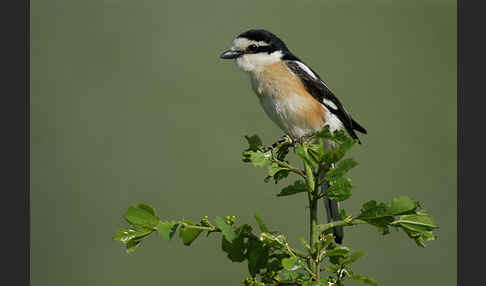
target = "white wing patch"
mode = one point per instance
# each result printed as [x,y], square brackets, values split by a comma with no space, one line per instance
[330,103]
[313,75]
[306,69]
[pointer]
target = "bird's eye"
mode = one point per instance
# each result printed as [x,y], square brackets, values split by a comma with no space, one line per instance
[252,48]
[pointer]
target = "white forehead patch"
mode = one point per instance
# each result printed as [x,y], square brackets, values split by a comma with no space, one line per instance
[243,43]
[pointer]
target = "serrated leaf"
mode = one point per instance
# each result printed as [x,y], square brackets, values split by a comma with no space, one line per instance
[344,144]
[342,168]
[125,235]
[141,217]
[282,174]
[418,226]
[187,233]
[298,186]
[376,214]
[257,256]
[274,168]
[236,249]
[340,189]
[291,263]
[227,230]
[402,205]
[324,132]
[167,229]
[254,141]
[316,150]
[257,158]
[147,208]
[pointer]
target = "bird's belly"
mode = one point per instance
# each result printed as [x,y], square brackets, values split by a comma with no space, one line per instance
[295,114]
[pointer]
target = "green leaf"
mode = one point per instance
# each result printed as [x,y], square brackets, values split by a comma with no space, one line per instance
[377,215]
[291,263]
[342,168]
[332,268]
[382,215]
[236,249]
[276,173]
[352,258]
[418,226]
[324,133]
[257,256]
[301,151]
[227,230]
[274,241]
[295,276]
[147,208]
[188,233]
[132,245]
[316,150]
[254,141]
[305,245]
[282,174]
[141,217]
[257,158]
[340,189]
[274,169]
[402,205]
[363,279]
[167,229]
[261,225]
[338,251]
[125,235]
[299,186]
[344,144]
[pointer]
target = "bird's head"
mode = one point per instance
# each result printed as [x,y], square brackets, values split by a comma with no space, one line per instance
[254,49]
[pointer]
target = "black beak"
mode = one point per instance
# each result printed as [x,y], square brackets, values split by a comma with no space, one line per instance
[230,54]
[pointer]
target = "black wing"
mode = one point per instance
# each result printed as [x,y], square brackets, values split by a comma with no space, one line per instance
[319,90]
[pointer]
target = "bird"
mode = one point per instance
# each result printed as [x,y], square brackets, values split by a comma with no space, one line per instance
[292,94]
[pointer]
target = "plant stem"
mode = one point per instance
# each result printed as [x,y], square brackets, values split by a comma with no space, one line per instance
[313,236]
[313,233]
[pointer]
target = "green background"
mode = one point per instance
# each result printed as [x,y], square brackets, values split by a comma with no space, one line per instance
[130,103]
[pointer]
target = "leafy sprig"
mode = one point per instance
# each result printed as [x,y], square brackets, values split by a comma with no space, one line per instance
[271,260]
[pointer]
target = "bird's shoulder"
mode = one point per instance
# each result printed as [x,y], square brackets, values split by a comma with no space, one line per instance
[314,84]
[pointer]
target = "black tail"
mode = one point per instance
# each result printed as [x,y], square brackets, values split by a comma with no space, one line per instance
[358,127]
[332,212]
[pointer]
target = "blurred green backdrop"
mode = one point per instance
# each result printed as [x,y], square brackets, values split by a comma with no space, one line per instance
[130,103]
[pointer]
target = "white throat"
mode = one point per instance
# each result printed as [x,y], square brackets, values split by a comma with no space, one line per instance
[257,62]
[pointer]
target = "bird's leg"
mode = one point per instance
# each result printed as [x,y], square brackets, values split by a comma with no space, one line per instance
[282,140]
